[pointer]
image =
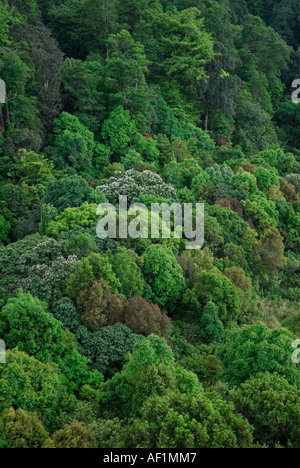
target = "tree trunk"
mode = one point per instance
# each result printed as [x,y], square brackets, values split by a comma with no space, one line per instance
[7,111]
[2,124]
[206,112]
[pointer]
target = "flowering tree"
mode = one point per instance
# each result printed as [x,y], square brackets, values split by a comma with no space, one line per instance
[133,184]
[48,283]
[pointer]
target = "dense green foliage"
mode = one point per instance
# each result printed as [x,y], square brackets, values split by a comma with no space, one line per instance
[140,343]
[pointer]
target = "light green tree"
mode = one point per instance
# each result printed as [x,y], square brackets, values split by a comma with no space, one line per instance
[254,349]
[164,276]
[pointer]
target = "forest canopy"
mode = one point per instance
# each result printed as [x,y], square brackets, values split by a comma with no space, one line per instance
[140,343]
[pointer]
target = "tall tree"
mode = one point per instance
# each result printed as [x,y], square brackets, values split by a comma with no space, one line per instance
[83,91]
[98,19]
[48,61]
[264,48]
[125,80]
[184,45]
[220,88]
[19,110]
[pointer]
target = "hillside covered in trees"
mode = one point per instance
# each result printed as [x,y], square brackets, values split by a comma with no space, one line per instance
[122,343]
